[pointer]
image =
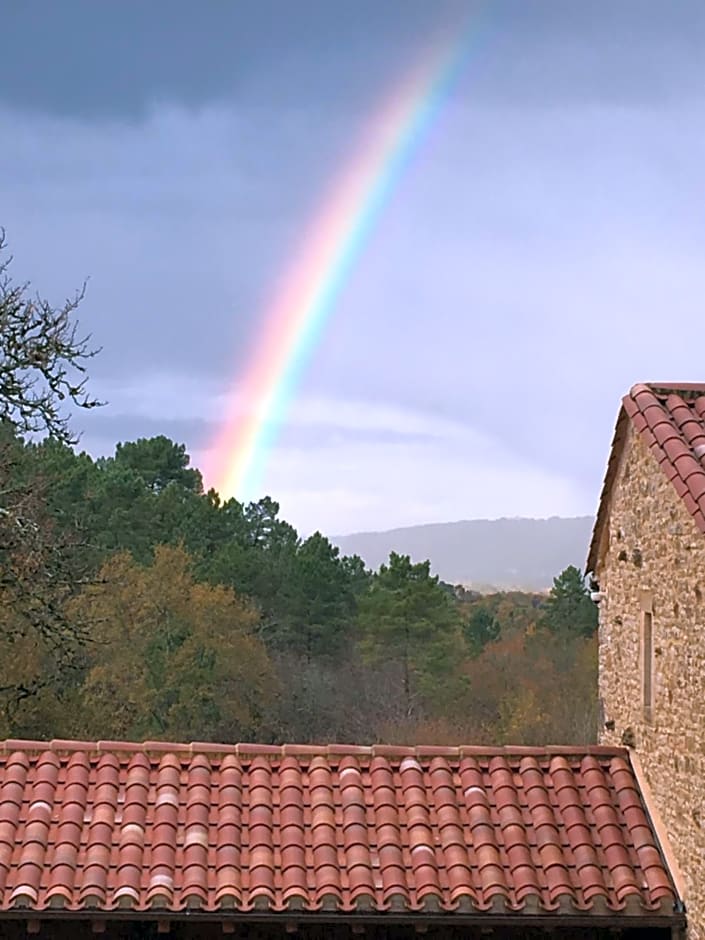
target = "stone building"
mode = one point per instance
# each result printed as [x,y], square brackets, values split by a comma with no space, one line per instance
[648,558]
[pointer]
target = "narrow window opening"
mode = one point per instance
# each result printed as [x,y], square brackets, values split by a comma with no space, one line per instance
[647,653]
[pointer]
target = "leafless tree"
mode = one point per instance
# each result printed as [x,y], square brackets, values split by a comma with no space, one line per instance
[42,359]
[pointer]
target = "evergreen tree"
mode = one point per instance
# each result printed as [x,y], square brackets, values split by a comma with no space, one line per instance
[407,617]
[159,462]
[320,599]
[481,628]
[568,610]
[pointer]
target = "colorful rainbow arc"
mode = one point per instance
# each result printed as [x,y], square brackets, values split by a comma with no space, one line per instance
[307,294]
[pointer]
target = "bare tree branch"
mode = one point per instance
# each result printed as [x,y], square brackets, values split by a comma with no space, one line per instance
[42,359]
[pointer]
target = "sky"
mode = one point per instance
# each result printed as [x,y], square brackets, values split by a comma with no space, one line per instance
[542,252]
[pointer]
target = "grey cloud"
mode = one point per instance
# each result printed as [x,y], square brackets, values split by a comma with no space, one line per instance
[103,429]
[332,435]
[123,58]
[517,281]
[513,245]
[176,224]
[535,281]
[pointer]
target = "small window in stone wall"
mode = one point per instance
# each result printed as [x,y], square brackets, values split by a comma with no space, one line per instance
[647,663]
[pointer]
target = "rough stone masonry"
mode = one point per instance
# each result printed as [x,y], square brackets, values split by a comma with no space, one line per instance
[651,569]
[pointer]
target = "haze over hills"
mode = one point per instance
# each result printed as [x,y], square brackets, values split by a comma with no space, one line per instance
[483,553]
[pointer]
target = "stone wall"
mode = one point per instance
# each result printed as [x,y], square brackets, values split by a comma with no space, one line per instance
[654,558]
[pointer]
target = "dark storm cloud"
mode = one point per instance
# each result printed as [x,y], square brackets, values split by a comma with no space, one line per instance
[121,58]
[179,222]
[93,60]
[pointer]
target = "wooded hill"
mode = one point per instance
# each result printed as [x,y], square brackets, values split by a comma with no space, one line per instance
[484,554]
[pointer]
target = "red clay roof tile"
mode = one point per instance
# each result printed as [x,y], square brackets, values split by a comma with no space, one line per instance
[380,829]
[671,421]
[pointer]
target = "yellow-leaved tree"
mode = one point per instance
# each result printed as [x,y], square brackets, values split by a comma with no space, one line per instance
[170,657]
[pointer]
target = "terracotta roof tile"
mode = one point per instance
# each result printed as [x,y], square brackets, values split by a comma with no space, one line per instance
[109,826]
[671,421]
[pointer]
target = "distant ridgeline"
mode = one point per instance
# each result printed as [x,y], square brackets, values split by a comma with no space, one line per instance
[483,554]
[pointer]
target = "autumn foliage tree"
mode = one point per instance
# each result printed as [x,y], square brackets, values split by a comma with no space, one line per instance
[170,656]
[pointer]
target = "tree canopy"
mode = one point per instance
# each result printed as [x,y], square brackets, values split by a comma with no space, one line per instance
[159,462]
[177,614]
[406,616]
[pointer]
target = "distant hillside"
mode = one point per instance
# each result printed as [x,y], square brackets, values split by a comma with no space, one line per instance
[483,553]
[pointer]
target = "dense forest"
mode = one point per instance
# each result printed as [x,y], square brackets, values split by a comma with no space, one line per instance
[133,604]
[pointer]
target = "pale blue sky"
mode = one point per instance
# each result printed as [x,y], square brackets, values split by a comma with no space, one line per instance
[542,253]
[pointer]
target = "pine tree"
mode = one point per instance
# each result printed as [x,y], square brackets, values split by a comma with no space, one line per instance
[407,617]
[568,609]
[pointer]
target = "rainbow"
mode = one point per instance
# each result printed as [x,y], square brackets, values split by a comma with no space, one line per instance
[306,296]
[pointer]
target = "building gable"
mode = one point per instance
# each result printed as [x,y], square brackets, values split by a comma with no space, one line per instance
[670,419]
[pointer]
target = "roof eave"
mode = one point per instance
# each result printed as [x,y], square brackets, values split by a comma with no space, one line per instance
[517,919]
[658,826]
[613,461]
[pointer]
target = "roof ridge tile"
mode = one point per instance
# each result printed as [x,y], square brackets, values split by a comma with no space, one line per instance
[247,749]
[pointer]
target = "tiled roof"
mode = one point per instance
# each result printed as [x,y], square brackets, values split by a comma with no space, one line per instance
[136,827]
[671,421]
